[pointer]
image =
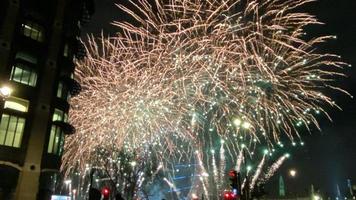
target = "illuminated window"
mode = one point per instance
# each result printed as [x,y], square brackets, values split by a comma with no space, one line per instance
[65,117]
[62,92]
[23,74]
[33,31]
[59,115]
[11,130]
[56,141]
[16,104]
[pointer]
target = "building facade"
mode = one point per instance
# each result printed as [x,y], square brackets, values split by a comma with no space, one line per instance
[38,42]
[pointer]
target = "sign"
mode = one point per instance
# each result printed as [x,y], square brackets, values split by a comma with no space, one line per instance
[60,197]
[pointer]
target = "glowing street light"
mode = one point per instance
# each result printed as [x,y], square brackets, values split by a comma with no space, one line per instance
[5,92]
[292,173]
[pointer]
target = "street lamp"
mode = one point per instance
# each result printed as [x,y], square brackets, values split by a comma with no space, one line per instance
[5,92]
[292,173]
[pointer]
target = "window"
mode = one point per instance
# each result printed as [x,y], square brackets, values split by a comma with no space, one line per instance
[66,50]
[33,31]
[23,74]
[59,115]
[56,141]
[62,92]
[11,130]
[16,104]
[26,57]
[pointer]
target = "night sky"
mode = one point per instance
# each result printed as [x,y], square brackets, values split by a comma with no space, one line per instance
[328,157]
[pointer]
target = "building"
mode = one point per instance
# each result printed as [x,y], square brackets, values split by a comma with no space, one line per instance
[38,41]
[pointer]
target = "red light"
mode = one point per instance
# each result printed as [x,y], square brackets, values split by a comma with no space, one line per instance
[228,195]
[105,192]
[232,173]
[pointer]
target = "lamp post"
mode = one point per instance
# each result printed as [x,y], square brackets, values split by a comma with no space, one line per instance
[293,174]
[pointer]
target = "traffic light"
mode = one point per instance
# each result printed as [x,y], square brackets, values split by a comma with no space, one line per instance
[106,193]
[234,181]
[228,195]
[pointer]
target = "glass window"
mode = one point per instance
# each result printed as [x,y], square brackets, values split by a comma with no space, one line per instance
[23,74]
[16,104]
[26,57]
[65,118]
[33,31]
[60,90]
[56,141]
[11,130]
[66,50]
[58,115]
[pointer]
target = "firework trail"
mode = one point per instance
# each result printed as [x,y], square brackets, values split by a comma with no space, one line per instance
[271,171]
[243,184]
[141,180]
[160,166]
[240,159]
[205,189]
[203,175]
[172,186]
[215,171]
[222,165]
[258,172]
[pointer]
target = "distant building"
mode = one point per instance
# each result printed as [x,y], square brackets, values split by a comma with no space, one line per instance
[38,41]
[282,189]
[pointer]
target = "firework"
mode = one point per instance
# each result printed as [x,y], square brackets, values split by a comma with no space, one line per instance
[275,166]
[257,173]
[239,62]
[187,74]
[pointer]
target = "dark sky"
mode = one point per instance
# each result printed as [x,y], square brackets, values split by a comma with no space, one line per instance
[328,157]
